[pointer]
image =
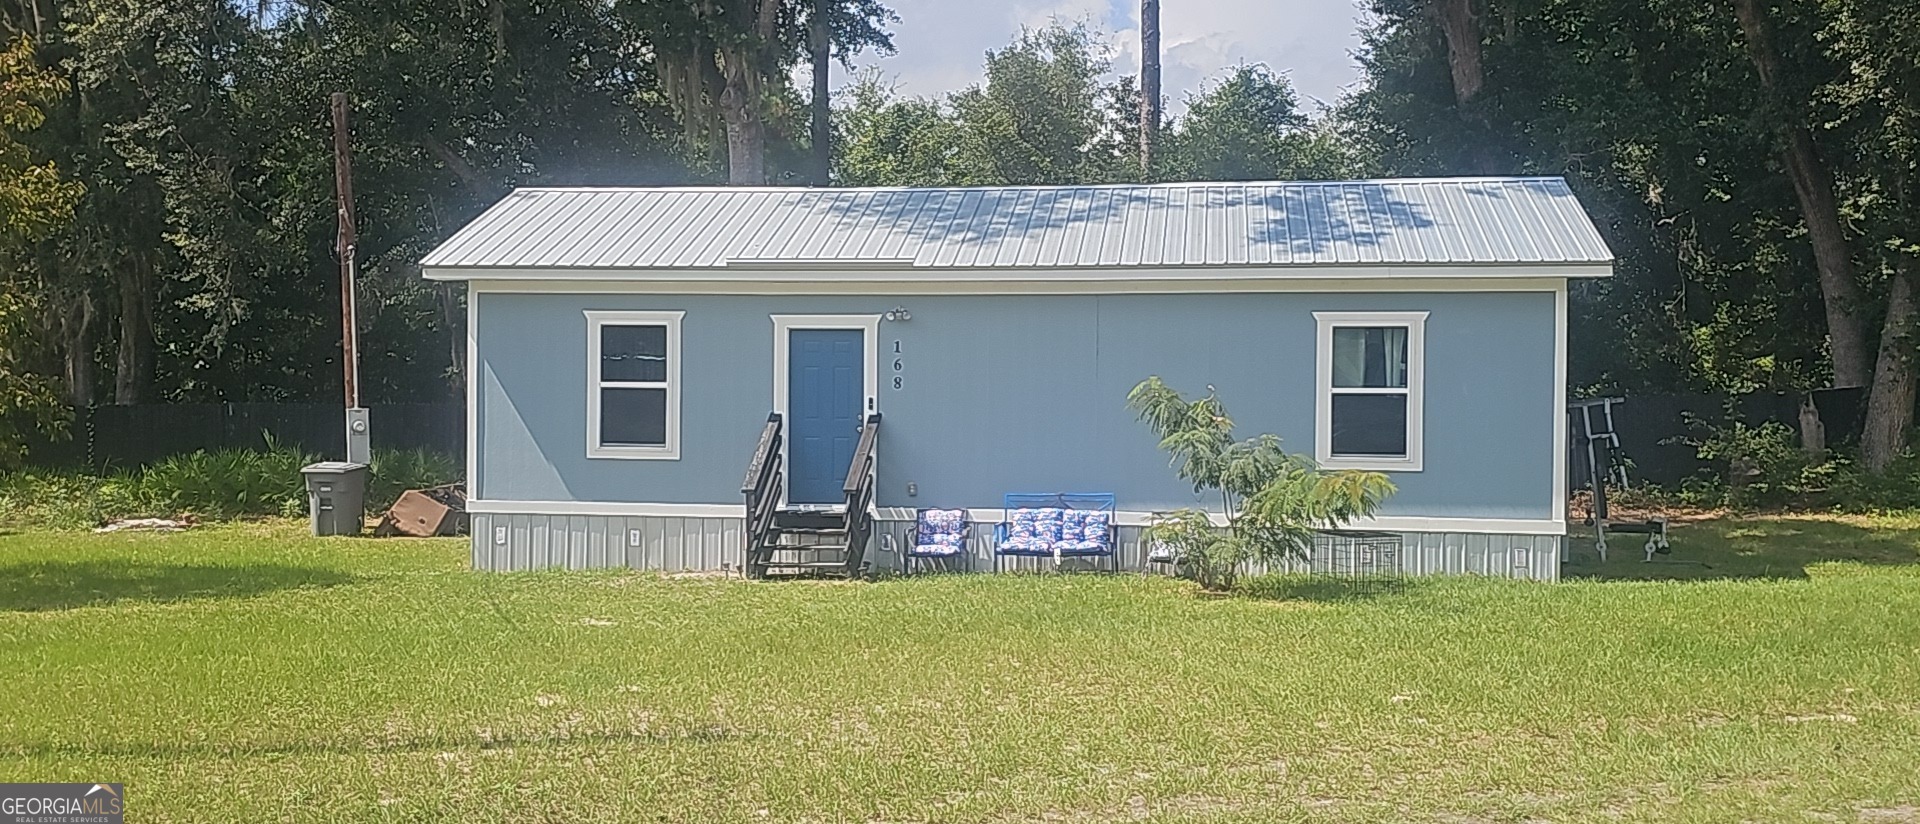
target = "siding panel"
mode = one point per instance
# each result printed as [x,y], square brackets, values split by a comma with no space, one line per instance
[673,545]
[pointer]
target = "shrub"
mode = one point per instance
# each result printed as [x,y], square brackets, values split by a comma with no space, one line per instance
[219,484]
[396,471]
[229,482]
[1272,501]
[69,500]
[1756,467]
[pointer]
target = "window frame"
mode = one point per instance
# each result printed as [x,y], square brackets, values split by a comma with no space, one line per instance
[598,319]
[1415,323]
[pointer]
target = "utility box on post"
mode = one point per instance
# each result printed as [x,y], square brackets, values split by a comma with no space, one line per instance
[359,439]
[336,496]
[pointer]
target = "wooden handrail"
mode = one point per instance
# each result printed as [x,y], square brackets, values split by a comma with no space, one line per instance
[763,456]
[857,472]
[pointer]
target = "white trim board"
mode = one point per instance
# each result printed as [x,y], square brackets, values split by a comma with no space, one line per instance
[783,326]
[1459,279]
[1416,325]
[606,508]
[1491,526]
[600,318]
[473,378]
[1560,445]
[817,272]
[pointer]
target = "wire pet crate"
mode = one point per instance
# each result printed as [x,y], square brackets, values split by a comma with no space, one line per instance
[1368,562]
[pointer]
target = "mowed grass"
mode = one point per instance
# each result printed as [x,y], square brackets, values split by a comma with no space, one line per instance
[247,673]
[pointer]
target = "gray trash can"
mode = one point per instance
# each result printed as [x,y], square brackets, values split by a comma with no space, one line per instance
[336,496]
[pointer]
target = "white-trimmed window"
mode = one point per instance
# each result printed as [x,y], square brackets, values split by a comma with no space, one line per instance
[1368,402]
[633,384]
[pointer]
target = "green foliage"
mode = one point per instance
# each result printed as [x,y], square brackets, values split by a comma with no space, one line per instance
[1248,127]
[888,141]
[228,482]
[1045,115]
[1038,118]
[29,402]
[1763,468]
[1756,467]
[69,500]
[34,197]
[1272,501]
[396,471]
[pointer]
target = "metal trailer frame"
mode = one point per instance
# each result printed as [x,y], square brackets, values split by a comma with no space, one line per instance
[1601,468]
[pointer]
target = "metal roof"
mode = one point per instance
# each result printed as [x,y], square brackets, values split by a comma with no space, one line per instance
[1442,221]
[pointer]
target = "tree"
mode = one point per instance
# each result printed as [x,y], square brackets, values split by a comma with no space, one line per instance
[1248,127]
[35,199]
[1738,159]
[1041,117]
[888,141]
[1813,186]
[1272,502]
[729,59]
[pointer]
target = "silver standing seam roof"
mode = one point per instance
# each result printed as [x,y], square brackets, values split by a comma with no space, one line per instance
[1441,221]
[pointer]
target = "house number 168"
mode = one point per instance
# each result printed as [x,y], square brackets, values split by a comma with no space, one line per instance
[899,366]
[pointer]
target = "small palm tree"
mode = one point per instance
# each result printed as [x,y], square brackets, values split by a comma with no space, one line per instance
[1272,501]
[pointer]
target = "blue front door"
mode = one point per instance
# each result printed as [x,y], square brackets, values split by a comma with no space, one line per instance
[825,381]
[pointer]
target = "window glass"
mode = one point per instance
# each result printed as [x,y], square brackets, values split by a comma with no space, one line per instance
[1370,356]
[1370,424]
[633,353]
[633,417]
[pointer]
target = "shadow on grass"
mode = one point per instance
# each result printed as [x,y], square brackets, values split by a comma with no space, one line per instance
[358,747]
[1320,588]
[58,585]
[1748,547]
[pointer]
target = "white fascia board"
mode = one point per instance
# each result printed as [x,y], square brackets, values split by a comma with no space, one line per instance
[929,287]
[866,273]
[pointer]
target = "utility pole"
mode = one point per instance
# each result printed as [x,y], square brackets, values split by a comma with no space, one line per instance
[359,445]
[1149,83]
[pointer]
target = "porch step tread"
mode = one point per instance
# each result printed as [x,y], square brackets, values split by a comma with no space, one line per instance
[805,565]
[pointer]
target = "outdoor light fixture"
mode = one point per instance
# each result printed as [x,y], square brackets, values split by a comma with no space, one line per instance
[898,313]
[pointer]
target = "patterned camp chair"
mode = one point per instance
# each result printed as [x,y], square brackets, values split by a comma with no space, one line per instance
[938,535]
[1056,525]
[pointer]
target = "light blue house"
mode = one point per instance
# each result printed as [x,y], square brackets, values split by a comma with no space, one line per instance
[635,353]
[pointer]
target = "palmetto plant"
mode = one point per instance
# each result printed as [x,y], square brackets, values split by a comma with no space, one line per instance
[1271,501]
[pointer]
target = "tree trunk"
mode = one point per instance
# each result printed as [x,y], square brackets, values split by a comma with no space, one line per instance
[1890,403]
[1813,188]
[133,360]
[746,134]
[820,43]
[1463,50]
[1149,83]
[742,102]
[1461,26]
[77,366]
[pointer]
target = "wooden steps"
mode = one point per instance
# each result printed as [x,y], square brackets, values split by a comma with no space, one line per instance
[828,541]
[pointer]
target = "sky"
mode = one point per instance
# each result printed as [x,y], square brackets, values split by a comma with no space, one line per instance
[942,43]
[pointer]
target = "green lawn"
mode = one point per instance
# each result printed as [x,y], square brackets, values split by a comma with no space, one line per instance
[248,673]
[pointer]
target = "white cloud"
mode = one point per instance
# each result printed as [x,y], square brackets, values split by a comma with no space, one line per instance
[942,42]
